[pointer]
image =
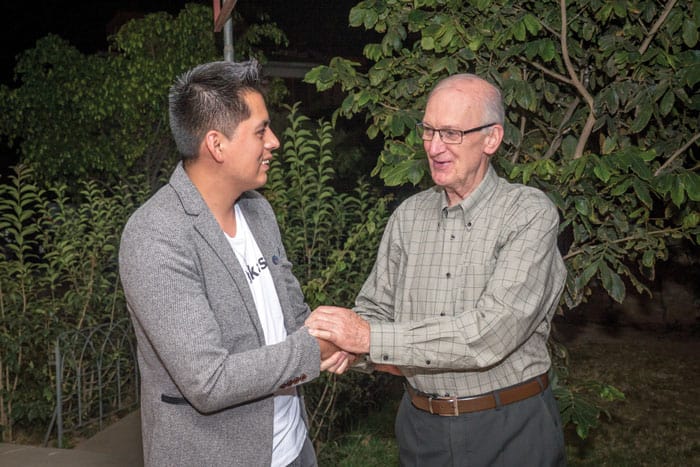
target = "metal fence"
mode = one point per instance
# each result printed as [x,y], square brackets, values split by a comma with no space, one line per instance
[96,376]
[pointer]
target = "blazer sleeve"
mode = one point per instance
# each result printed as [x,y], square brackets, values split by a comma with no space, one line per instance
[194,323]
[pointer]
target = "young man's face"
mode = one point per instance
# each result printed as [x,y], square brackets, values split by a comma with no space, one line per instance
[249,150]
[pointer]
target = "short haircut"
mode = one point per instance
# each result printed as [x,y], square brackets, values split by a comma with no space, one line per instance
[209,97]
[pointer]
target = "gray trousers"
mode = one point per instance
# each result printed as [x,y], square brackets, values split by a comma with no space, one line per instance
[525,433]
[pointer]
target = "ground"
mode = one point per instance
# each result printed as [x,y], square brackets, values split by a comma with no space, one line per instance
[658,370]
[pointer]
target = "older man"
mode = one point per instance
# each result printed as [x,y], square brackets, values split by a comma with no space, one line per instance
[461,297]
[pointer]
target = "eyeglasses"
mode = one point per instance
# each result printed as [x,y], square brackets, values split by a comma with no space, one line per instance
[447,135]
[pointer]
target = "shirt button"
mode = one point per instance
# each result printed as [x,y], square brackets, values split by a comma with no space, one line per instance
[442,313]
[427,362]
[469,224]
[448,275]
[385,357]
[452,237]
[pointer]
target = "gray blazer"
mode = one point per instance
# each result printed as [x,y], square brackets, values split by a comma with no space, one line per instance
[206,373]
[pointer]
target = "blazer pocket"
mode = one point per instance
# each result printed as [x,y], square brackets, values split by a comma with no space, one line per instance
[173,400]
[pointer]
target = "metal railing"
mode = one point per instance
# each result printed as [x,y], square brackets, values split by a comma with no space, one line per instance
[96,376]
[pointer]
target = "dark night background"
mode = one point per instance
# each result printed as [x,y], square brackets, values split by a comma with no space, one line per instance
[316,28]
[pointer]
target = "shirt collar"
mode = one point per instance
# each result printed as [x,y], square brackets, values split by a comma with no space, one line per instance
[472,204]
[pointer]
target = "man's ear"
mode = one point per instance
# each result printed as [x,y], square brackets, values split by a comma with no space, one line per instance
[213,141]
[493,140]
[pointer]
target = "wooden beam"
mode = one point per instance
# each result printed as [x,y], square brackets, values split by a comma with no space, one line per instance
[222,13]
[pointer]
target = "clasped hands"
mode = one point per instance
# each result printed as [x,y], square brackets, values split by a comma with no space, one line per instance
[342,336]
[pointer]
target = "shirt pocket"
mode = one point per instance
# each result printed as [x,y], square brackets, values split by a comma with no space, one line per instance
[472,282]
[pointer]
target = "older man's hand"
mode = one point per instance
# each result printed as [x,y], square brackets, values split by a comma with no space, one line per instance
[341,326]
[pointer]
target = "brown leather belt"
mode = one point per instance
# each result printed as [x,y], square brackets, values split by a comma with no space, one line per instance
[451,406]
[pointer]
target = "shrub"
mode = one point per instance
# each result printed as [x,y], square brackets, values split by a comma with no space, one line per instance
[331,238]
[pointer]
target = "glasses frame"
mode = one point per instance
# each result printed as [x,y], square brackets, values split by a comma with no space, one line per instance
[421,128]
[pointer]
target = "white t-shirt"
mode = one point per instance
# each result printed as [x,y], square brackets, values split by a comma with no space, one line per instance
[289,432]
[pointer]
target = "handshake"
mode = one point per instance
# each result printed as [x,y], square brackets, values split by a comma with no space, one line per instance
[342,336]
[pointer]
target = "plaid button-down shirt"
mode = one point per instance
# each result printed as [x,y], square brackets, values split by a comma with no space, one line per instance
[462,297]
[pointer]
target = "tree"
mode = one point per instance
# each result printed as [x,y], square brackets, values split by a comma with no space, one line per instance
[602,114]
[105,116]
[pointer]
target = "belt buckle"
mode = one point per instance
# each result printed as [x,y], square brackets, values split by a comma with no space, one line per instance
[451,400]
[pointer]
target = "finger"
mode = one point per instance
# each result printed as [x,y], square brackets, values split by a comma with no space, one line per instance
[321,334]
[337,368]
[344,365]
[331,361]
[321,322]
[331,310]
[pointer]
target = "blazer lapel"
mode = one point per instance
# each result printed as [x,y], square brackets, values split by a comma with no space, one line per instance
[209,229]
[271,249]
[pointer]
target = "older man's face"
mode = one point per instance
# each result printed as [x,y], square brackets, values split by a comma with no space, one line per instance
[458,168]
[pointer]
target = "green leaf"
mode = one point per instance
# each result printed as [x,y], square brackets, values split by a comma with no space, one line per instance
[677,194]
[643,114]
[642,191]
[692,75]
[582,206]
[691,220]
[532,24]
[547,50]
[602,170]
[402,171]
[519,31]
[612,283]
[690,32]
[568,146]
[691,183]
[666,104]
[609,144]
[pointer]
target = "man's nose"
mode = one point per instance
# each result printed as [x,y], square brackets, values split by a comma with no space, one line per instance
[271,141]
[435,145]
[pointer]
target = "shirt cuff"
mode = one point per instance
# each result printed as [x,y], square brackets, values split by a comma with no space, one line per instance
[386,344]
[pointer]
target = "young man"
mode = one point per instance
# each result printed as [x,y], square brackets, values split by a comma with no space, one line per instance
[217,312]
[461,297]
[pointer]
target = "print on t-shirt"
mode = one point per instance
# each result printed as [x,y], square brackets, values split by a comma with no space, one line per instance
[254,270]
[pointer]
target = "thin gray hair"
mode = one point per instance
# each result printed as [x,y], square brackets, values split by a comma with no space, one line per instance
[491,100]
[209,97]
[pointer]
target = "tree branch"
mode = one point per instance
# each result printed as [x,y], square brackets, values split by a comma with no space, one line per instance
[571,254]
[556,141]
[549,72]
[667,10]
[516,154]
[677,153]
[590,121]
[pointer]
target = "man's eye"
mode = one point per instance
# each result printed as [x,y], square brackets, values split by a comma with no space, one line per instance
[450,134]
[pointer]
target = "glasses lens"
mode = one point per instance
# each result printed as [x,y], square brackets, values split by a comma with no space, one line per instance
[425,134]
[451,136]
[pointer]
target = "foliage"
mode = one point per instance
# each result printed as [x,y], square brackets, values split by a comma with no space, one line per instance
[58,273]
[331,238]
[603,110]
[602,113]
[105,115]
